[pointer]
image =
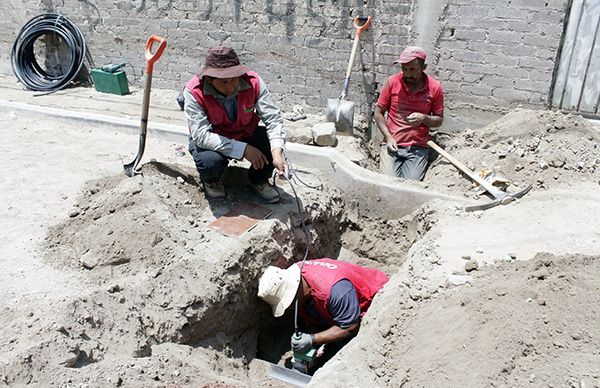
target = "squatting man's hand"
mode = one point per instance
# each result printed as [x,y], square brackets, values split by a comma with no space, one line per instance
[302,342]
[255,157]
[279,162]
[416,119]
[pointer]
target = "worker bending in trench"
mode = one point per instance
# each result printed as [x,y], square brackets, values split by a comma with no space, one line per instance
[223,104]
[333,296]
[414,102]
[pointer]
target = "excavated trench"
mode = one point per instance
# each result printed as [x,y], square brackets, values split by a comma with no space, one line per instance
[160,275]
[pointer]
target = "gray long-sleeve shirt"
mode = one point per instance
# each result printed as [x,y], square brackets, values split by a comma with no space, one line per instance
[201,128]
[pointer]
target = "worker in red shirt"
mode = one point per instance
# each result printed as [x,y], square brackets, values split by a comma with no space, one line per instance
[414,102]
[333,296]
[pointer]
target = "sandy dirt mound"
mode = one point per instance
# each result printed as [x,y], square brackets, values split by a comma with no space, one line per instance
[172,299]
[541,148]
[463,310]
[518,323]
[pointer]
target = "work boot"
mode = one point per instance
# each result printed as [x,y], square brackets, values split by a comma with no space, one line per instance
[267,192]
[214,190]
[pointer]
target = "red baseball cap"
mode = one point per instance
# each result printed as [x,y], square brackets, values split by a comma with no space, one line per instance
[411,53]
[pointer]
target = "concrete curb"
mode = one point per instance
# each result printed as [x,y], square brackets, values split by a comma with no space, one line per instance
[370,193]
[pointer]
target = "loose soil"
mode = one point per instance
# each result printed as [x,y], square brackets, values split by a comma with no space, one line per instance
[115,281]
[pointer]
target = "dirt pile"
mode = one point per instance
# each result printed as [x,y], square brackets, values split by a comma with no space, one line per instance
[173,299]
[518,323]
[541,148]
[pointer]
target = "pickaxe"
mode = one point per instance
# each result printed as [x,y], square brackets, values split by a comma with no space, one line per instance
[500,197]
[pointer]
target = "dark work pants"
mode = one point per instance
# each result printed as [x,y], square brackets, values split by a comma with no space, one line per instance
[212,164]
[411,162]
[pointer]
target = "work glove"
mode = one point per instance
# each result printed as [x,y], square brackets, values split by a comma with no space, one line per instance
[302,342]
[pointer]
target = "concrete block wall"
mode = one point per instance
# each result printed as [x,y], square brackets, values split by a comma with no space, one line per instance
[494,55]
[489,55]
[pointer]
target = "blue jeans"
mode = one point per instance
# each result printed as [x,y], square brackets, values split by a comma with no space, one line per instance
[212,164]
[409,162]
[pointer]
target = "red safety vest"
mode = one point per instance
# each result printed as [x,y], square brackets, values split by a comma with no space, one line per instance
[247,119]
[322,274]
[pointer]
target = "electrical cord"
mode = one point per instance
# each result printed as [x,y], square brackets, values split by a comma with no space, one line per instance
[289,177]
[23,60]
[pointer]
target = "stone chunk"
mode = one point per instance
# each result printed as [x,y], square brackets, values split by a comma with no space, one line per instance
[89,260]
[471,265]
[324,134]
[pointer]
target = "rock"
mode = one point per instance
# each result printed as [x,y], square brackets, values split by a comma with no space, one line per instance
[587,383]
[324,134]
[519,167]
[471,265]
[465,257]
[479,250]
[520,152]
[458,280]
[180,179]
[70,359]
[512,256]
[74,213]
[543,165]
[557,159]
[89,260]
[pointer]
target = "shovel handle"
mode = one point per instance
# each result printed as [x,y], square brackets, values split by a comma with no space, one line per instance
[150,57]
[365,23]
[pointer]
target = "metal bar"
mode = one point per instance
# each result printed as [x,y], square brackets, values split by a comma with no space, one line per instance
[589,60]
[559,54]
[562,96]
[289,376]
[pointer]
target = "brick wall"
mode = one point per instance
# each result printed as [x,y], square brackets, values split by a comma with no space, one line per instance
[490,55]
[494,55]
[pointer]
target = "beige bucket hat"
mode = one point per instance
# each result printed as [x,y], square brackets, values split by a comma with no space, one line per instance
[278,287]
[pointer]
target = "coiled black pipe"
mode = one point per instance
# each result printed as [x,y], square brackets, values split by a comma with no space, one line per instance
[24,64]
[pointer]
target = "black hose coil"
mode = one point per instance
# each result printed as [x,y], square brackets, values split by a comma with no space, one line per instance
[24,63]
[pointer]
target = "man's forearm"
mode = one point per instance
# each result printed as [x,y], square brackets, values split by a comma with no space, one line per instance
[380,122]
[335,333]
[433,121]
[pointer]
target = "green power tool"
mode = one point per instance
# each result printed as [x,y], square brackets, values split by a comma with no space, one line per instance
[303,361]
[112,67]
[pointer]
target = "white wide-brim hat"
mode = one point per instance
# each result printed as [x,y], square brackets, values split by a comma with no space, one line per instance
[278,287]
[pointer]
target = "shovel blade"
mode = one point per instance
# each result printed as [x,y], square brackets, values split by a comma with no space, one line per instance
[341,112]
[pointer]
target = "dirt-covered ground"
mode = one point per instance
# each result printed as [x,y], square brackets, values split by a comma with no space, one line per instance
[115,281]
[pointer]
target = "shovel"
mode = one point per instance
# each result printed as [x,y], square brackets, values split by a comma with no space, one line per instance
[131,168]
[341,111]
[500,197]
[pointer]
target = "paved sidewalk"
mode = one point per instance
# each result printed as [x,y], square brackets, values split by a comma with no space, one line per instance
[163,106]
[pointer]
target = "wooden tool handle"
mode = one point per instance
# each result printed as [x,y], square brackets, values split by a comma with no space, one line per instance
[494,191]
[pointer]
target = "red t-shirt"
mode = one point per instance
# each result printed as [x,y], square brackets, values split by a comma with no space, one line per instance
[397,99]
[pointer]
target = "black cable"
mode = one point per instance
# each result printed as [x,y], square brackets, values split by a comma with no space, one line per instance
[23,61]
[304,229]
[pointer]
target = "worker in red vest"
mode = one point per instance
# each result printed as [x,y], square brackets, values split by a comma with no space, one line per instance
[223,104]
[414,103]
[333,296]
